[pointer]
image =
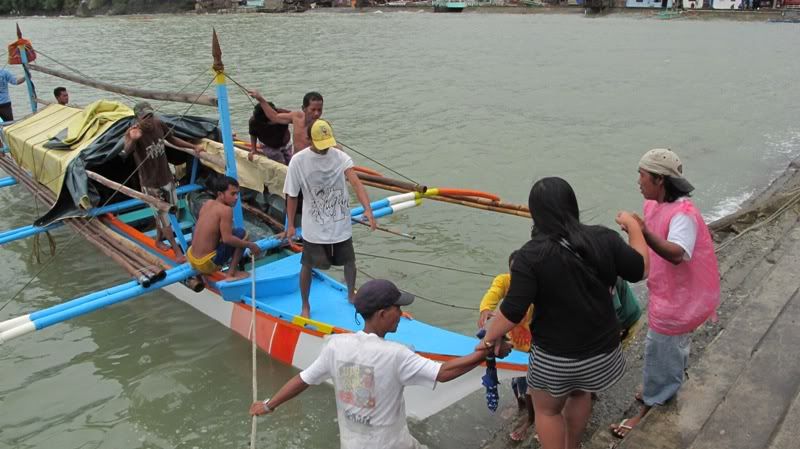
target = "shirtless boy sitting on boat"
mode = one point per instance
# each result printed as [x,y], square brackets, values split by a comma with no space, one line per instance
[215,241]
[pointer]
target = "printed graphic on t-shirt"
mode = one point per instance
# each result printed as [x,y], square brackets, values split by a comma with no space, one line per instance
[328,204]
[356,387]
[155,149]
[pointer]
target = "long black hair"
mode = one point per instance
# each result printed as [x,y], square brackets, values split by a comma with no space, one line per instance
[556,220]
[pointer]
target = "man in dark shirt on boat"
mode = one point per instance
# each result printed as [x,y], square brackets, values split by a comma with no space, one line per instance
[275,137]
[146,140]
[300,120]
[215,241]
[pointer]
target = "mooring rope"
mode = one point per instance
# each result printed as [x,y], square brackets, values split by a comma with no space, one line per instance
[434,301]
[414,262]
[254,346]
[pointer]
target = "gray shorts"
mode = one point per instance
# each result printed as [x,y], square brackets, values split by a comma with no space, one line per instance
[323,255]
[666,358]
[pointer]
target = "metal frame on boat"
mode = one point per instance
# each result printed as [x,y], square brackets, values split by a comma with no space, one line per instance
[114,228]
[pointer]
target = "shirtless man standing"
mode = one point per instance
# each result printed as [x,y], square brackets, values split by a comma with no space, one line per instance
[300,120]
[215,241]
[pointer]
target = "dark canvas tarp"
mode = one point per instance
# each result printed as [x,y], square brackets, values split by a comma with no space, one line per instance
[102,156]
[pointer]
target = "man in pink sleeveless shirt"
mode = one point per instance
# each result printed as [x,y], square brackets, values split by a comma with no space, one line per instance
[683,282]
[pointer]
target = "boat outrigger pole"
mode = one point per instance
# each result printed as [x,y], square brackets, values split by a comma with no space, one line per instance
[225,123]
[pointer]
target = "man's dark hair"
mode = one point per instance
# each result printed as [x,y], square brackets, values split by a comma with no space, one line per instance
[311,96]
[220,183]
[58,91]
[671,191]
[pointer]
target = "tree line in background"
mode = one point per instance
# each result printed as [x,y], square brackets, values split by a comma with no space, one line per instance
[87,7]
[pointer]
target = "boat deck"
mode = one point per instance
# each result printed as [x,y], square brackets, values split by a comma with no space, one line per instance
[277,294]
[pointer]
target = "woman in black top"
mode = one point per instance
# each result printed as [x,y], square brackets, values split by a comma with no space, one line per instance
[566,271]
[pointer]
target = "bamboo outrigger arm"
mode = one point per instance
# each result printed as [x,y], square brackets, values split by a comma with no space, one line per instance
[205,100]
[203,155]
[162,206]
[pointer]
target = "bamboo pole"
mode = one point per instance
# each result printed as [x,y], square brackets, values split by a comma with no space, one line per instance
[452,200]
[380,181]
[155,202]
[203,155]
[205,100]
[133,259]
[263,216]
[133,248]
[409,187]
[489,202]
[111,252]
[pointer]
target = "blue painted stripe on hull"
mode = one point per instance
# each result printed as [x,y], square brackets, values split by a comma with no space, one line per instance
[329,305]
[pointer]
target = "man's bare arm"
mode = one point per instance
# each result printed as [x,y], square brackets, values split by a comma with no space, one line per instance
[361,194]
[283,118]
[177,141]
[291,211]
[226,232]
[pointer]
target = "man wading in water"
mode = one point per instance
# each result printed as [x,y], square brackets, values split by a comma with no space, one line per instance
[370,374]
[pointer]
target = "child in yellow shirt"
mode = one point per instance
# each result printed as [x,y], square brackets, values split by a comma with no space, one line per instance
[520,337]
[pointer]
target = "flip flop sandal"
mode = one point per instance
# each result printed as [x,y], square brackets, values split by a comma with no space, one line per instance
[621,426]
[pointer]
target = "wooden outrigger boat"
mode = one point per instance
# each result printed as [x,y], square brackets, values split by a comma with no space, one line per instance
[117,227]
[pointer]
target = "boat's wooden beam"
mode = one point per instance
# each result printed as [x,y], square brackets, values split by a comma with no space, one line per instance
[205,100]
[155,202]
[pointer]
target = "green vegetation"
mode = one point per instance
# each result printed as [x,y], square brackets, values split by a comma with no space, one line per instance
[20,7]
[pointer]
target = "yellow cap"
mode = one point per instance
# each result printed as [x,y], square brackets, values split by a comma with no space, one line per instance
[322,135]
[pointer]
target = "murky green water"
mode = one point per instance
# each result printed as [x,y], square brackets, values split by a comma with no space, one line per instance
[484,101]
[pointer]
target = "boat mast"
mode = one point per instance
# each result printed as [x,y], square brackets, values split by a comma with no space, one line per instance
[24,58]
[225,123]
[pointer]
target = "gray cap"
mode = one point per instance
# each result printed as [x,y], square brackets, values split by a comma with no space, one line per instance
[665,162]
[142,110]
[378,294]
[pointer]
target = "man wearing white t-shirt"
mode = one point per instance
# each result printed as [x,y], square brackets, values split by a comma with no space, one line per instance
[369,373]
[327,230]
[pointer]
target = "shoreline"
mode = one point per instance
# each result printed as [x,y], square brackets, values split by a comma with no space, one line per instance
[761,15]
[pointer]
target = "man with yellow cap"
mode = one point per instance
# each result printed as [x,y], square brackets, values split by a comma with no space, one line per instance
[319,174]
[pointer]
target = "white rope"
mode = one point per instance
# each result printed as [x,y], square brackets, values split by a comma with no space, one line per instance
[254,346]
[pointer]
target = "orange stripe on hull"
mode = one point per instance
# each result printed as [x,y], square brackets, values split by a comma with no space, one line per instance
[240,323]
[284,343]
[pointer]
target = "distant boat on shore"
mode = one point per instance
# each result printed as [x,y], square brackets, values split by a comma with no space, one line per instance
[448,6]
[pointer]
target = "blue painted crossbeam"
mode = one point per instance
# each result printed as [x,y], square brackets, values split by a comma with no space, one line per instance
[29,230]
[22,325]
[7,181]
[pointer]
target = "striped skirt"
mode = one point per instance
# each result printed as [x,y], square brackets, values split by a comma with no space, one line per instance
[560,375]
